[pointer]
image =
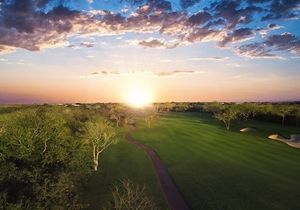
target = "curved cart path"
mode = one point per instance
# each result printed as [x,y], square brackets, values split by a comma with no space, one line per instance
[172,195]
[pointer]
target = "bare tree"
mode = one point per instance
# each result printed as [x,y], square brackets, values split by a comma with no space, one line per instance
[130,196]
[101,135]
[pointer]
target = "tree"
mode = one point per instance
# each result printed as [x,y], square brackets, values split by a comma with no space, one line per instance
[100,135]
[130,196]
[247,110]
[266,108]
[282,110]
[117,113]
[297,114]
[1,128]
[169,106]
[129,118]
[150,115]
[41,164]
[226,115]
[213,107]
[75,121]
[182,107]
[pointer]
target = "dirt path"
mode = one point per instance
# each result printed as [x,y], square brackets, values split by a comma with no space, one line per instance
[172,195]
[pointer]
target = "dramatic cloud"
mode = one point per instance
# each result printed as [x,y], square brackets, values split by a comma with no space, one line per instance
[282,9]
[233,13]
[285,41]
[38,24]
[200,18]
[153,4]
[237,35]
[255,50]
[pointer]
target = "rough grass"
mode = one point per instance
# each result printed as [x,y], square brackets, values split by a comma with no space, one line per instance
[121,161]
[219,169]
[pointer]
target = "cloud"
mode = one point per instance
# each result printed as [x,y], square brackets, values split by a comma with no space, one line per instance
[152,4]
[188,3]
[23,27]
[38,24]
[6,49]
[271,27]
[234,13]
[156,43]
[200,18]
[285,41]
[168,73]
[210,59]
[174,72]
[273,43]
[87,44]
[240,34]
[280,9]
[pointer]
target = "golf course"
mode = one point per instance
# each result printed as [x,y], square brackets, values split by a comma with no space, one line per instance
[212,168]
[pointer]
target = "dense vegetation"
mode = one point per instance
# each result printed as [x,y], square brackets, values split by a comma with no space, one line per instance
[40,162]
[50,155]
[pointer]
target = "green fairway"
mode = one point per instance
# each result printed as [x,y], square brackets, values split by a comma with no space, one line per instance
[219,169]
[121,161]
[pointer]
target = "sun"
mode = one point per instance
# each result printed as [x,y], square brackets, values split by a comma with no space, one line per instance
[139,97]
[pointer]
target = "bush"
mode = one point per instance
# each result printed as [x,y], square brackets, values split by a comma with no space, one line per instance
[40,162]
[129,196]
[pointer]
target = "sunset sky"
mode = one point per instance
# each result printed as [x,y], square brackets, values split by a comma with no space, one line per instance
[57,51]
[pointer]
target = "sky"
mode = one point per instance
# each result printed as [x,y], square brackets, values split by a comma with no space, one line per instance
[67,51]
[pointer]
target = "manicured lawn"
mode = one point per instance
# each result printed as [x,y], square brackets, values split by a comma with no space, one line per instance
[219,169]
[121,161]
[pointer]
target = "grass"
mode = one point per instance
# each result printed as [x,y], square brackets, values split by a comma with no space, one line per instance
[212,167]
[121,161]
[219,169]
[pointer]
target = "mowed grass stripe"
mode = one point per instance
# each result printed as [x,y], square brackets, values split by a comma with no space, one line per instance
[219,169]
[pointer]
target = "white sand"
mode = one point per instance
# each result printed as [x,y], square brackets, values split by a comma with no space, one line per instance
[285,140]
[247,129]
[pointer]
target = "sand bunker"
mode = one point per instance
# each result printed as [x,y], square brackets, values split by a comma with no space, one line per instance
[291,142]
[295,137]
[247,130]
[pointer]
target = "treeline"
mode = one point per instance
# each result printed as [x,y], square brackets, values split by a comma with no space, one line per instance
[284,113]
[41,161]
[47,152]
